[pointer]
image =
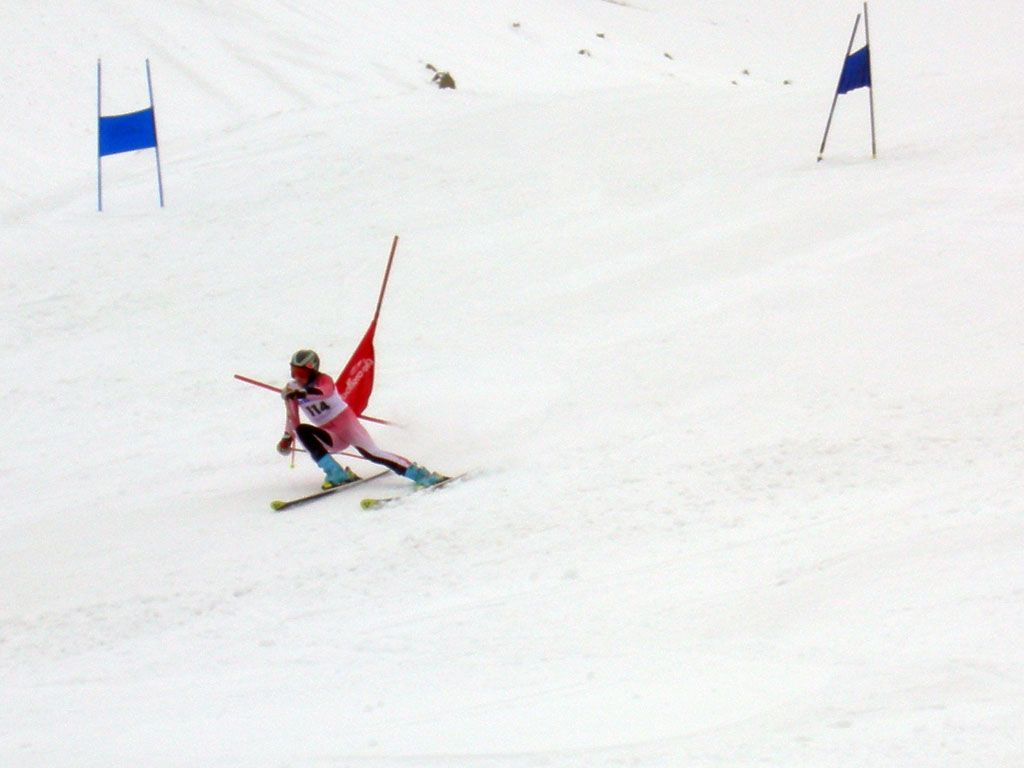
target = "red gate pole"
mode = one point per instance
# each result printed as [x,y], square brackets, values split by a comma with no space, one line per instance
[272,388]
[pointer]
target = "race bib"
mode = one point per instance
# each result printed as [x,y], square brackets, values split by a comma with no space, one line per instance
[319,412]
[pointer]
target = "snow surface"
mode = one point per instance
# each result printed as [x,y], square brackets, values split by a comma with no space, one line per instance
[746,430]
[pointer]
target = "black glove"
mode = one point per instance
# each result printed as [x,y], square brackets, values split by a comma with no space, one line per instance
[293,391]
[284,445]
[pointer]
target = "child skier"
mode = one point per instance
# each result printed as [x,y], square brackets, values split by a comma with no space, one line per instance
[334,426]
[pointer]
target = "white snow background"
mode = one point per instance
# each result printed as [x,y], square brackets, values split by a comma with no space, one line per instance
[746,431]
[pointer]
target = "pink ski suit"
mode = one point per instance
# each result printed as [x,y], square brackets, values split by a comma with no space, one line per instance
[333,424]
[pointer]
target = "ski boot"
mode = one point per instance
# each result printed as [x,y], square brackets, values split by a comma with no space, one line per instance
[335,475]
[423,477]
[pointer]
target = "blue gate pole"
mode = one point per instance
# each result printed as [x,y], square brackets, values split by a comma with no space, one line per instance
[835,98]
[871,88]
[156,142]
[99,155]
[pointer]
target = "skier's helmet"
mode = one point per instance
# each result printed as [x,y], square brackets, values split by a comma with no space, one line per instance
[306,358]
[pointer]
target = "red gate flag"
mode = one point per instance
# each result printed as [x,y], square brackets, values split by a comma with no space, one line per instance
[356,382]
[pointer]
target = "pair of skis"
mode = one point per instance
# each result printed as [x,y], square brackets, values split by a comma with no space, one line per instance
[367,503]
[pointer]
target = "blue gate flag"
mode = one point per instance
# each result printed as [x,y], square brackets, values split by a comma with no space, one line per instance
[856,71]
[125,133]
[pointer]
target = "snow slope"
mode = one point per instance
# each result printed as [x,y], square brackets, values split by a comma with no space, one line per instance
[745,429]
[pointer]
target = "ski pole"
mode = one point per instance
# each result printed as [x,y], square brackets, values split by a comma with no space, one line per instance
[339,453]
